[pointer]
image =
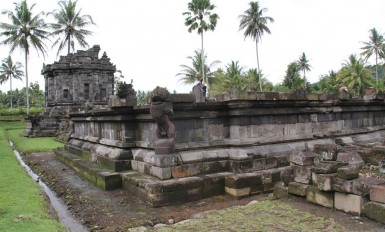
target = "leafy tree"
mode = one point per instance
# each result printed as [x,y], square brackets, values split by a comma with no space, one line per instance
[142,97]
[255,25]
[37,95]
[9,70]
[328,83]
[201,18]
[355,75]
[303,65]
[255,79]
[70,26]
[376,46]
[193,73]
[25,30]
[230,79]
[292,78]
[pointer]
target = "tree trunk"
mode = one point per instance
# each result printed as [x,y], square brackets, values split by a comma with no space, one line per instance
[203,67]
[10,87]
[69,45]
[258,71]
[304,77]
[26,80]
[376,72]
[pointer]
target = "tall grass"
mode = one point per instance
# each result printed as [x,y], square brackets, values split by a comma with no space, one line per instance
[22,205]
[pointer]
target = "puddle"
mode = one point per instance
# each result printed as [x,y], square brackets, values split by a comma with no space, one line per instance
[65,216]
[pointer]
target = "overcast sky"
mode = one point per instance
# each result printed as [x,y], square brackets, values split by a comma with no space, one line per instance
[148,40]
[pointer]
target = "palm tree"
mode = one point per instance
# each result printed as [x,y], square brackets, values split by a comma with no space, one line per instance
[255,25]
[328,83]
[292,77]
[193,73]
[25,30]
[376,45]
[200,18]
[254,79]
[355,75]
[9,70]
[231,79]
[70,26]
[303,65]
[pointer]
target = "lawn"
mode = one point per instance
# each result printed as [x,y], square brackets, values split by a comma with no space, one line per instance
[22,204]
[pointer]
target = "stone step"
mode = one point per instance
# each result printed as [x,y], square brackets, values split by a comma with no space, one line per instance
[174,191]
[100,176]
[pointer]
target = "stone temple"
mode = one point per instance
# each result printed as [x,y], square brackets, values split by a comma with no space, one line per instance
[184,147]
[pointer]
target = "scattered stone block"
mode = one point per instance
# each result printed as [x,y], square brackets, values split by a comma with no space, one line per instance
[316,196]
[348,172]
[280,191]
[302,174]
[375,211]
[342,185]
[298,189]
[377,194]
[286,176]
[327,167]
[328,152]
[362,185]
[349,203]
[352,158]
[324,182]
[304,158]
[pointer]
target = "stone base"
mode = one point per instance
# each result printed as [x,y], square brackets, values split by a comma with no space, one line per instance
[375,211]
[349,203]
[318,197]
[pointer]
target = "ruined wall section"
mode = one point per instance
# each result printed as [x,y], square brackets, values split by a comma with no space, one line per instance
[78,78]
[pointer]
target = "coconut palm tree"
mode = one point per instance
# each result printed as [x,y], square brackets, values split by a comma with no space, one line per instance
[26,30]
[255,25]
[303,65]
[70,26]
[253,79]
[376,46]
[201,18]
[9,70]
[355,75]
[193,73]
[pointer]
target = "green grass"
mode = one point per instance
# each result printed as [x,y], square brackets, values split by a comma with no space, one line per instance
[27,145]
[22,205]
[262,216]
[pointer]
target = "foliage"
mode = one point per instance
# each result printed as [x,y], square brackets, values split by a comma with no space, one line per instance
[142,97]
[303,65]
[254,79]
[200,18]
[70,26]
[26,30]
[375,46]
[292,79]
[354,75]
[22,206]
[19,98]
[261,216]
[9,70]
[193,73]
[125,90]
[328,83]
[19,111]
[255,25]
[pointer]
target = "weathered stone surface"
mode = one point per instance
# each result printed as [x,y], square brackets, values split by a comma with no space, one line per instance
[375,211]
[349,203]
[377,193]
[328,152]
[342,185]
[286,176]
[304,158]
[280,191]
[348,172]
[239,181]
[324,182]
[362,185]
[327,167]
[302,174]
[243,192]
[353,158]
[314,195]
[174,185]
[382,166]
[298,189]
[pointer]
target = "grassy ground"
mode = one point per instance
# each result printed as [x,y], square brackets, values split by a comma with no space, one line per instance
[22,205]
[262,216]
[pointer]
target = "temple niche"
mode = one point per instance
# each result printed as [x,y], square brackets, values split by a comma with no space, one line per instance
[79,78]
[77,82]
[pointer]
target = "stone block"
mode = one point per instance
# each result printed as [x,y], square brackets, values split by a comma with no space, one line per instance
[302,174]
[328,152]
[161,173]
[375,211]
[352,158]
[362,185]
[238,193]
[283,161]
[174,185]
[349,203]
[304,158]
[187,170]
[243,180]
[327,167]
[280,191]
[270,162]
[316,196]
[348,172]
[240,166]
[298,189]
[377,193]
[342,185]
[324,182]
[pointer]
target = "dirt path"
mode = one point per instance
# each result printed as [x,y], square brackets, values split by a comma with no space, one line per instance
[117,210]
